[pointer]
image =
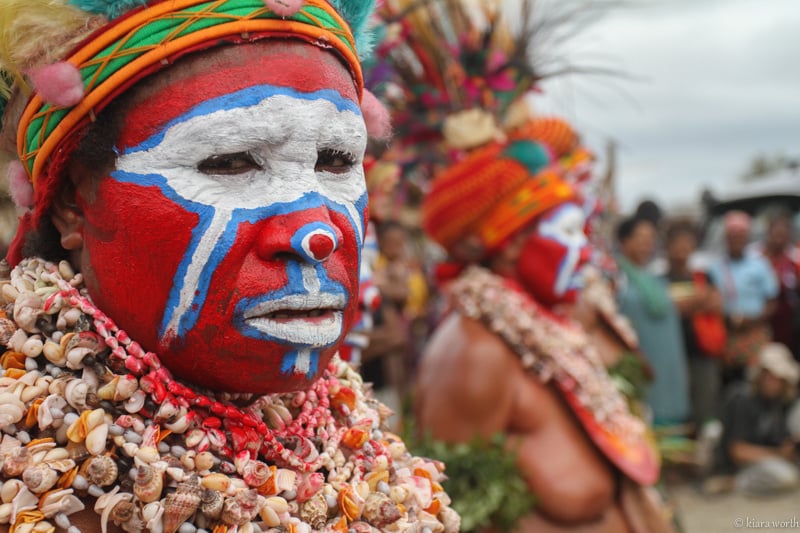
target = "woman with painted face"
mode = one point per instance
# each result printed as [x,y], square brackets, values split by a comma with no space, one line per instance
[503,361]
[186,267]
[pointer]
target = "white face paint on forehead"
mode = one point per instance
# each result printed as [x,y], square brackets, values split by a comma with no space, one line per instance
[282,133]
[566,226]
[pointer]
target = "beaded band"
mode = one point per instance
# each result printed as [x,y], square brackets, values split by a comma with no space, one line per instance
[133,46]
[536,196]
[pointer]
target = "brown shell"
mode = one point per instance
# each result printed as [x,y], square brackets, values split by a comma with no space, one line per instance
[241,508]
[7,329]
[123,511]
[380,510]
[181,504]
[315,512]
[102,470]
[148,484]
[211,503]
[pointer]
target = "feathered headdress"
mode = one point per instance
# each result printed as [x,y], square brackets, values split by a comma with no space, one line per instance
[455,74]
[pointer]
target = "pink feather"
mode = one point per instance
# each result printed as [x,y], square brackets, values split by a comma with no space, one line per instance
[284,8]
[376,116]
[58,84]
[19,185]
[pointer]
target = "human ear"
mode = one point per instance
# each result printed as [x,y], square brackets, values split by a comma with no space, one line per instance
[68,219]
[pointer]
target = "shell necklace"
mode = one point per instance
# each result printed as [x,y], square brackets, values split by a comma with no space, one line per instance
[86,412]
[548,347]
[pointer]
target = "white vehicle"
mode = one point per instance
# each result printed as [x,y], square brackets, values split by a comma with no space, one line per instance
[759,198]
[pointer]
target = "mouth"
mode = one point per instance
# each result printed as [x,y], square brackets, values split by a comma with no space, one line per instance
[309,320]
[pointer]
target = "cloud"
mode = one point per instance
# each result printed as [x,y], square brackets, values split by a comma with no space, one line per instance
[716,83]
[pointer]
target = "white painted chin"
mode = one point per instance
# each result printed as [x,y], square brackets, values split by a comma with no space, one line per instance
[315,332]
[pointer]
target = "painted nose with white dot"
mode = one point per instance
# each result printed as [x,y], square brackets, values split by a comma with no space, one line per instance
[315,242]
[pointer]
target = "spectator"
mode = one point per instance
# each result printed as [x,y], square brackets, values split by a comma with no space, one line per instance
[693,293]
[783,256]
[387,361]
[749,290]
[645,301]
[756,444]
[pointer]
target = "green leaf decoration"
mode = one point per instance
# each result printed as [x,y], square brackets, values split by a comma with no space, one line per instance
[482,480]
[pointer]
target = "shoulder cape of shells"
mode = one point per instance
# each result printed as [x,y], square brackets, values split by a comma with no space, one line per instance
[87,415]
[549,348]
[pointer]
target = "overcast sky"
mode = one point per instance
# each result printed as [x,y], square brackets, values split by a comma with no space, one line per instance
[718,83]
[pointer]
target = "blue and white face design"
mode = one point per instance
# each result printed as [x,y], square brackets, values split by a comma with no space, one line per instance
[241,231]
[552,256]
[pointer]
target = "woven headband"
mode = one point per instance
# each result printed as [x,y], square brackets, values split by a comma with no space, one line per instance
[134,45]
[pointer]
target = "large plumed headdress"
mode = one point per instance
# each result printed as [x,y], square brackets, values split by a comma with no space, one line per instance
[455,75]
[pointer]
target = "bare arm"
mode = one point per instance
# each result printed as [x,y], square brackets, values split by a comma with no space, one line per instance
[745,453]
[472,384]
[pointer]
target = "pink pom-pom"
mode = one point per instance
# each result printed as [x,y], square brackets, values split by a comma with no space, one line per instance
[58,84]
[21,189]
[284,8]
[376,116]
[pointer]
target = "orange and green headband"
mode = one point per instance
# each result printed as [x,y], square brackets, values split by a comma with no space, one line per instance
[135,45]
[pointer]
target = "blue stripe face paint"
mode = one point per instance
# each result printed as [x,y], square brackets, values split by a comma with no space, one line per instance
[266,203]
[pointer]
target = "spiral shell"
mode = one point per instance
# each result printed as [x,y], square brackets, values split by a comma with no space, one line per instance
[315,512]
[123,511]
[241,508]
[39,478]
[181,504]
[211,503]
[75,393]
[148,484]
[102,470]
[380,511]
[255,473]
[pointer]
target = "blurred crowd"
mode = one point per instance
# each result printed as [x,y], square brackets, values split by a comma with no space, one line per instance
[718,336]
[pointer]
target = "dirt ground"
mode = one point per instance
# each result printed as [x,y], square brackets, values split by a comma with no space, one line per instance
[732,513]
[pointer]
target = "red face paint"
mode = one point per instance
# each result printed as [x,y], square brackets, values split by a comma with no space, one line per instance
[553,255]
[228,237]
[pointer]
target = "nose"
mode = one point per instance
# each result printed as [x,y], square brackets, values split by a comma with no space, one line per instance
[315,242]
[311,239]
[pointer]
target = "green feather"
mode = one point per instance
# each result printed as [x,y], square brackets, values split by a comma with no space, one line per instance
[357,13]
[110,8]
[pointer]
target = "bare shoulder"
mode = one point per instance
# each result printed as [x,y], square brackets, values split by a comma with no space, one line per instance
[465,380]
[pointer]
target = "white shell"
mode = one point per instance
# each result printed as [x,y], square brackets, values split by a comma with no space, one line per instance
[61,501]
[96,439]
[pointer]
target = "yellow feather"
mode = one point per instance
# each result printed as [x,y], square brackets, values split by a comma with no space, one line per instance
[38,32]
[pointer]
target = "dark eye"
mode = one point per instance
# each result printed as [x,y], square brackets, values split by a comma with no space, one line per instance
[228,164]
[334,161]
